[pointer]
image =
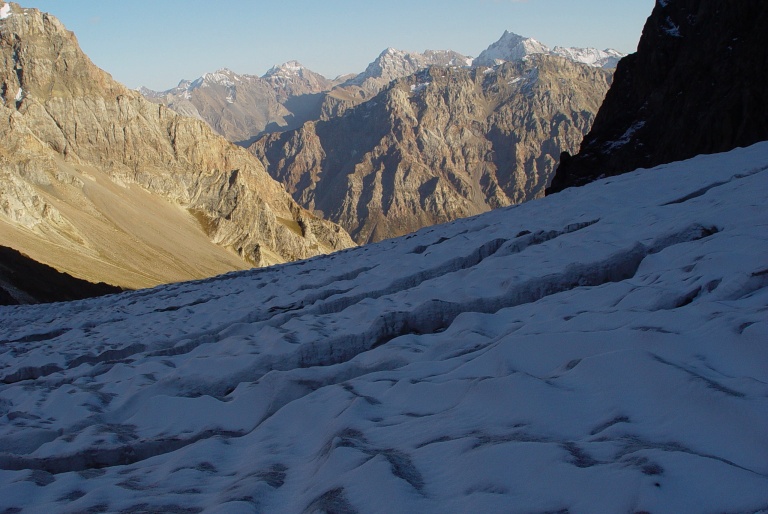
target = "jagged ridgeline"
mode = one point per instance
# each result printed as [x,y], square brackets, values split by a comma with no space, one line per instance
[239,107]
[416,138]
[100,183]
[441,144]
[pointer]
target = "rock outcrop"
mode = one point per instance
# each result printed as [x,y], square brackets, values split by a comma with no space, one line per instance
[444,143]
[697,84]
[75,144]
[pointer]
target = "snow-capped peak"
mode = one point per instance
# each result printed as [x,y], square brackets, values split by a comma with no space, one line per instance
[149,93]
[513,47]
[510,47]
[221,77]
[289,68]
[600,58]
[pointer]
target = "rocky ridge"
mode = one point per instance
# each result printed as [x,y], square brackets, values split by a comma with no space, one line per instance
[393,64]
[444,143]
[240,107]
[74,142]
[244,107]
[697,84]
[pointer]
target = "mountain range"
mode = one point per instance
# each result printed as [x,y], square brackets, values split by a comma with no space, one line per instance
[240,107]
[382,163]
[92,169]
[243,107]
[437,145]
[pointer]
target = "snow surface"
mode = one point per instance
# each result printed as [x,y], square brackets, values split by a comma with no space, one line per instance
[626,137]
[5,11]
[602,350]
[671,28]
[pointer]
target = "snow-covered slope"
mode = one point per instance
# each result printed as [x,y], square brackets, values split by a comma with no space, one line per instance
[607,58]
[599,350]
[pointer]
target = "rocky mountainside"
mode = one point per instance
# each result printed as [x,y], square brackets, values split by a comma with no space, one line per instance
[444,143]
[513,47]
[390,65]
[697,84]
[107,186]
[243,107]
[240,107]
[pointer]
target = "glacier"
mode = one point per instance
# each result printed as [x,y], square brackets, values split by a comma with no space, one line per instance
[600,350]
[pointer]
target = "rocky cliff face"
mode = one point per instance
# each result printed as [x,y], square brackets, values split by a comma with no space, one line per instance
[697,84]
[438,145]
[75,144]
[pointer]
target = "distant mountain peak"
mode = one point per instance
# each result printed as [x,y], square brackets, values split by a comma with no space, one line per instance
[514,47]
[510,47]
[607,58]
[289,68]
[393,63]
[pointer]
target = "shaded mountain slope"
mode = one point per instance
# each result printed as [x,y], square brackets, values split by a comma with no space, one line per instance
[597,351]
[697,84]
[24,281]
[93,171]
[438,145]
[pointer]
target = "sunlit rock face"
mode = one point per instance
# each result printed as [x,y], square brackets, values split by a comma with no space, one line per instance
[442,144]
[99,182]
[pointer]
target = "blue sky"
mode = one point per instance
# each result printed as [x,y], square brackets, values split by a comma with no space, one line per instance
[157,43]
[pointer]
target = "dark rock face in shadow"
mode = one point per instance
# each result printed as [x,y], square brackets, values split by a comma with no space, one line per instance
[695,86]
[24,281]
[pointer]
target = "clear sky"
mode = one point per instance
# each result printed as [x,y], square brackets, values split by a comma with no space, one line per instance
[156,43]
